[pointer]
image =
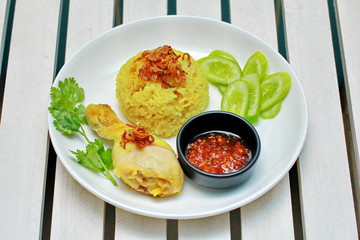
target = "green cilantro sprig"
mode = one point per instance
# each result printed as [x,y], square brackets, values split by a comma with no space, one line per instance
[69,118]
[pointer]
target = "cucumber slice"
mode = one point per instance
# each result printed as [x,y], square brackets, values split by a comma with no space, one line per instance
[253,83]
[257,63]
[223,54]
[236,98]
[220,70]
[274,88]
[222,88]
[201,60]
[272,111]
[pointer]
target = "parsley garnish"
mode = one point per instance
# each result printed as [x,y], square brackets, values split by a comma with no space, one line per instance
[69,118]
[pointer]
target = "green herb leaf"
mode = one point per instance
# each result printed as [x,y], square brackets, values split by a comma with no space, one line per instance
[93,149]
[84,160]
[106,156]
[67,94]
[96,158]
[79,111]
[69,118]
[67,123]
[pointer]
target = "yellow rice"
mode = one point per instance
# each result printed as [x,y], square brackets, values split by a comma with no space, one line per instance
[162,110]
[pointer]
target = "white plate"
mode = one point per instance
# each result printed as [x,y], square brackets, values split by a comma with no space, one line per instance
[95,67]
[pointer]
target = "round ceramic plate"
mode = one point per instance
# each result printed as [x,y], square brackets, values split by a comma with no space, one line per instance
[95,67]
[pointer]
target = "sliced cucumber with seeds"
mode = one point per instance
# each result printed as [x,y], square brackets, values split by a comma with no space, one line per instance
[272,111]
[253,83]
[223,54]
[220,70]
[222,88]
[250,92]
[274,88]
[235,98]
[257,63]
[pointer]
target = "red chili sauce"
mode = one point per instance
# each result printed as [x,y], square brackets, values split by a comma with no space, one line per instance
[218,152]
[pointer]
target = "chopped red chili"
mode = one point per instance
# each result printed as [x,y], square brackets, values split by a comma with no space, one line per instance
[218,152]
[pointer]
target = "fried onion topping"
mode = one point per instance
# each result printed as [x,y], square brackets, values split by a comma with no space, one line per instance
[137,135]
[162,65]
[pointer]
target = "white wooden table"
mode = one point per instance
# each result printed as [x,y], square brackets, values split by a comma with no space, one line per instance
[318,199]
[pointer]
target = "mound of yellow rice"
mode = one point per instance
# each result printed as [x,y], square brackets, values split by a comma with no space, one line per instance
[162,110]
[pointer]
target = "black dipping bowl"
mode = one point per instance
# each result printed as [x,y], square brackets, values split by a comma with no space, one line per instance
[217,121]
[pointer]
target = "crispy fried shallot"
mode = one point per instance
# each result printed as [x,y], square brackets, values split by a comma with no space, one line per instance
[137,135]
[162,65]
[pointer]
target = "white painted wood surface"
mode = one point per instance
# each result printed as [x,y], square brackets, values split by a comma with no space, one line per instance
[325,188]
[24,131]
[348,13]
[2,18]
[212,228]
[258,220]
[78,214]
[135,10]
[136,227]
[130,225]
[270,216]
[201,8]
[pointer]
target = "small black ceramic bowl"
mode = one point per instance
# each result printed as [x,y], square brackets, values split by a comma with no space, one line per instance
[217,121]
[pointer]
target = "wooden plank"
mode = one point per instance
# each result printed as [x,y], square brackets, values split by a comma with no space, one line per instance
[78,214]
[2,18]
[133,226]
[203,8]
[129,224]
[200,8]
[348,16]
[24,131]
[270,216]
[325,188]
[216,227]
[246,14]
[134,10]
